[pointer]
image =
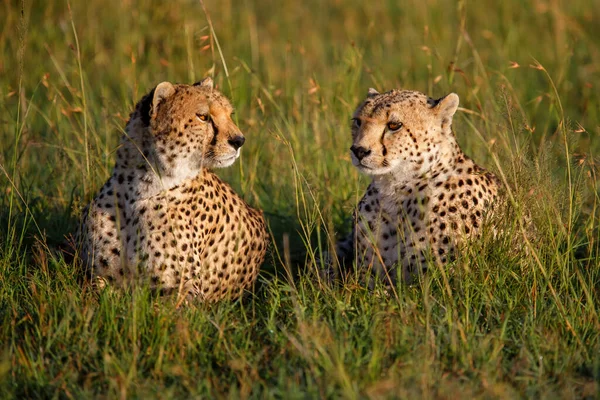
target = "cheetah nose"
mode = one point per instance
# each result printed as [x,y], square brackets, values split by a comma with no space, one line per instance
[360,152]
[237,142]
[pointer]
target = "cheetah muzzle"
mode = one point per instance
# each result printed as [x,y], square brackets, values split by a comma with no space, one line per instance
[163,216]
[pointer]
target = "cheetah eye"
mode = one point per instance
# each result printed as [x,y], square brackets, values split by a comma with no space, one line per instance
[394,126]
[357,122]
[202,117]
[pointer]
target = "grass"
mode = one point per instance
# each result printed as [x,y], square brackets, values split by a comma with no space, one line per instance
[501,322]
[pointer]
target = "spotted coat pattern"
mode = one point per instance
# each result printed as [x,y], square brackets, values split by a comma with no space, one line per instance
[163,216]
[426,197]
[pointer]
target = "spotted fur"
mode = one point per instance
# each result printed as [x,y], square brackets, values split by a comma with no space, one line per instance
[426,197]
[163,215]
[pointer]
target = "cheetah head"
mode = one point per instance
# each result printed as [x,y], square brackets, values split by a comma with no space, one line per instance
[190,127]
[401,132]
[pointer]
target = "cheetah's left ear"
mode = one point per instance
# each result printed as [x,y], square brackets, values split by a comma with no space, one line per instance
[161,92]
[206,82]
[372,92]
[446,106]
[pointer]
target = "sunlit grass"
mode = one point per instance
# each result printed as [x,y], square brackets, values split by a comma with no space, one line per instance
[502,321]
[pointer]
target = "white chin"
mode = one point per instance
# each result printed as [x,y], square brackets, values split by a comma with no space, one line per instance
[374,171]
[378,171]
[226,162]
[368,170]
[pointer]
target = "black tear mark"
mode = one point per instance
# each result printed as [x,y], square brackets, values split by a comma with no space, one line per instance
[384,151]
[216,132]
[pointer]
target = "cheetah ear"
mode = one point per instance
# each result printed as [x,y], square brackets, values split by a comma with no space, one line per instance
[161,92]
[372,92]
[446,106]
[206,82]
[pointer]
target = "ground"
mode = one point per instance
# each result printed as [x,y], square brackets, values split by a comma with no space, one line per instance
[498,324]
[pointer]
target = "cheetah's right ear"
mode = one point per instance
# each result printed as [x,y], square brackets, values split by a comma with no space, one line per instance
[372,92]
[161,92]
[446,106]
[206,82]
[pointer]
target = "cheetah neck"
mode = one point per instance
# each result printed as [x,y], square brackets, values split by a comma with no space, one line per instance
[138,172]
[406,183]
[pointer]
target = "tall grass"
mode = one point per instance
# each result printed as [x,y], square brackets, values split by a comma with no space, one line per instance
[501,321]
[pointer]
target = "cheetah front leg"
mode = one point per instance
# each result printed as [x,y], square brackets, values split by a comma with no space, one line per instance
[335,266]
[100,238]
[373,259]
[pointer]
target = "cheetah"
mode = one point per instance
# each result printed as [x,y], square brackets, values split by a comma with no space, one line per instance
[163,216]
[426,196]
